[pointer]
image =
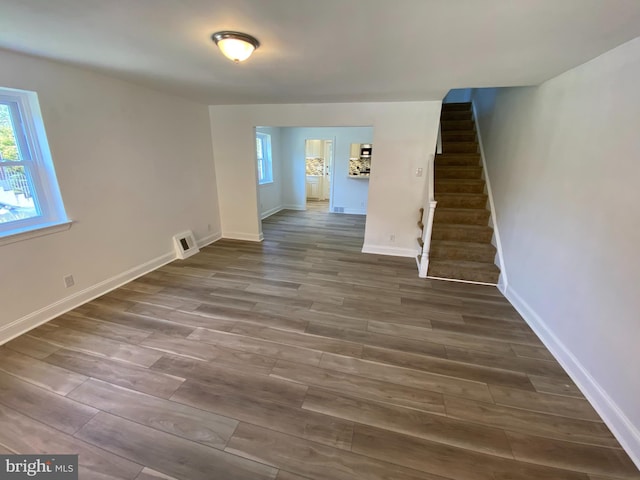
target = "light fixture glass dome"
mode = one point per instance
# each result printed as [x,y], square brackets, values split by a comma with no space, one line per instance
[235,46]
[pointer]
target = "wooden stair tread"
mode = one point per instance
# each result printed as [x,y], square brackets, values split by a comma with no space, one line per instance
[454,133]
[453,250]
[448,107]
[456,115]
[457,126]
[455,173]
[459,185]
[489,267]
[460,154]
[449,137]
[461,194]
[460,180]
[459,244]
[464,147]
[458,161]
[457,167]
[462,210]
[462,216]
[462,251]
[449,125]
[464,270]
[462,200]
[443,196]
[464,226]
[461,232]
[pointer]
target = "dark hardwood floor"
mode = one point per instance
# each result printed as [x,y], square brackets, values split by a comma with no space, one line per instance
[300,358]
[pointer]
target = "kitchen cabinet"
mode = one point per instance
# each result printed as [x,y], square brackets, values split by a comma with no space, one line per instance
[314,149]
[314,187]
[360,160]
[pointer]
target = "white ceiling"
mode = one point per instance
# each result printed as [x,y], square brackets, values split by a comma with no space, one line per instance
[322,50]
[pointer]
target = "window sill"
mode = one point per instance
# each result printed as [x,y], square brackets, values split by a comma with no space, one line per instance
[266,183]
[12,236]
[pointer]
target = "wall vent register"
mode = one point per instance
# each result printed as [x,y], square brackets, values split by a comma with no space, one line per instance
[185,245]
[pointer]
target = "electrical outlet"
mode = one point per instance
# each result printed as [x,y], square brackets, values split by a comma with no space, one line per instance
[418,172]
[69,281]
[392,237]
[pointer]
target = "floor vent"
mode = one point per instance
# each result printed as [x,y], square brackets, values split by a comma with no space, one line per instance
[338,209]
[185,245]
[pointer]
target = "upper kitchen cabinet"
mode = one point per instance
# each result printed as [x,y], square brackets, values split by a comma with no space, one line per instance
[355,151]
[314,149]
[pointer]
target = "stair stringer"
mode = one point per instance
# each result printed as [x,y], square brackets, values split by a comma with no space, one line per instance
[503,280]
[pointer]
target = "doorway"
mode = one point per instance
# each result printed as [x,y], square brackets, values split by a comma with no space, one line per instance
[318,173]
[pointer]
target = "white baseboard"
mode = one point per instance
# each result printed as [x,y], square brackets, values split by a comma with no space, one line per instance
[43,315]
[353,211]
[627,434]
[209,239]
[294,207]
[392,251]
[248,237]
[34,319]
[271,211]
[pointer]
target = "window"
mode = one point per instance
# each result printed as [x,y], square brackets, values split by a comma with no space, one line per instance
[265,167]
[29,194]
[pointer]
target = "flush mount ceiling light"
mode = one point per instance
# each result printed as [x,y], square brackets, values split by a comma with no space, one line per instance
[235,46]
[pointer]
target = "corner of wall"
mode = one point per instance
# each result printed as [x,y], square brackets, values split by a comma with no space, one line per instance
[292,206]
[247,237]
[39,317]
[209,239]
[271,211]
[43,315]
[624,430]
[392,251]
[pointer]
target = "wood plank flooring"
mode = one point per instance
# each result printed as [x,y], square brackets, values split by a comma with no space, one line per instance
[300,358]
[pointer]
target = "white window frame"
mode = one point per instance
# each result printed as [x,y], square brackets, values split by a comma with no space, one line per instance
[37,161]
[266,160]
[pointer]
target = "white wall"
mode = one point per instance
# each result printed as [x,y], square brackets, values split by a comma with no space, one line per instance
[348,193]
[134,167]
[564,164]
[404,136]
[270,194]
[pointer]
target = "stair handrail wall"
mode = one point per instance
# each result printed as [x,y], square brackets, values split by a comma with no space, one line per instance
[429,210]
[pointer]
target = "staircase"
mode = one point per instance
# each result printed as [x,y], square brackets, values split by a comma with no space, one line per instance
[461,246]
